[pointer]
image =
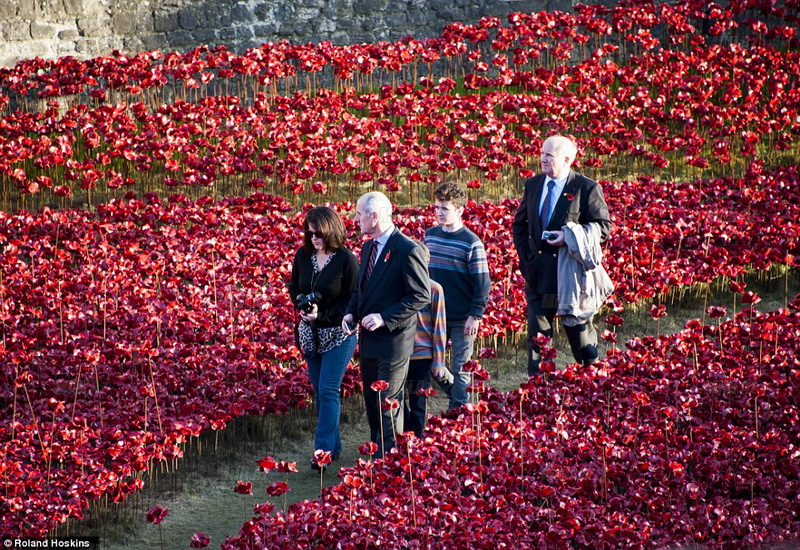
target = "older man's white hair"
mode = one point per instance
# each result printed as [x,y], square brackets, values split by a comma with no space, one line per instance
[564,145]
[375,201]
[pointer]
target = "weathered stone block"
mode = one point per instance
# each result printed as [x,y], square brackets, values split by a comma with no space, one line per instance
[418,18]
[370,24]
[179,38]
[242,14]
[496,10]
[16,29]
[69,34]
[449,13]
[284,13]
[47,9]
[527,6]
[73,7]
[187,19]
[216,17]
[204,36]
[305,31]
[561,5]
[229,34]
[8,9]
[340,38]
[394,20]
[154,42]
[96,22]
[164,21]
[358,37]
[132,44]
[263,12]
[61,48]
[124,22]
[246,45]
[41,31]
[285,30]
[26,9]
[90,26]
[326,26]
[87,45]
[240,33]
[368,7]
[308,14]
[348,25]
[265,29]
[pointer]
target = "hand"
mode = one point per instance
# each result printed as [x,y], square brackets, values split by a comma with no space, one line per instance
[439,372]
[373,321]
[471,326]
[348,320]
[311,314]
[558,241]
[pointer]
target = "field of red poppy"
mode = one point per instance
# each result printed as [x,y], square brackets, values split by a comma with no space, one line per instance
[160,313]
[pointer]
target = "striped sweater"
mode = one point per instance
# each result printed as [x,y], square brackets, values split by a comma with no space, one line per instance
[459,264]
[430,339]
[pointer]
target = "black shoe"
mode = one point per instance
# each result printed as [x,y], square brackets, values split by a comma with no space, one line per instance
[317,467]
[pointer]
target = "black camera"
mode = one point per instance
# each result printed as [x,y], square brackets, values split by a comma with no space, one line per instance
[549,235]
[305,302]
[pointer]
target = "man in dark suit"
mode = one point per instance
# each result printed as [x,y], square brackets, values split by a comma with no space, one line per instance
[551,199]
[393,286]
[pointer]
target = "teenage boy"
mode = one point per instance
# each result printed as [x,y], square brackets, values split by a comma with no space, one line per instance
[458,263]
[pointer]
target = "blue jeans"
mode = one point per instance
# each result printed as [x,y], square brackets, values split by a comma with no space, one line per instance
[460,353]
[326,372]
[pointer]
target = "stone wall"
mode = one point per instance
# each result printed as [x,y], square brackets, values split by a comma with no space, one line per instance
[90,28]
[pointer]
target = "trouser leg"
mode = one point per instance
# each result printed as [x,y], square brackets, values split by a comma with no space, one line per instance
[460,352]
[393,371]
[583,342]
[327,396]
[540,321]
[416,412]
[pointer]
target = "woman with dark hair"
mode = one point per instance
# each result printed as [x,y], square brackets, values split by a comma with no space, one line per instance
[323,277]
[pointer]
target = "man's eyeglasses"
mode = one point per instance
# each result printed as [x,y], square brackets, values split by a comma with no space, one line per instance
[317,234]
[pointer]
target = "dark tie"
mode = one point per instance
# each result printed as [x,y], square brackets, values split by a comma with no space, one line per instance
[371,263]
[544,216]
